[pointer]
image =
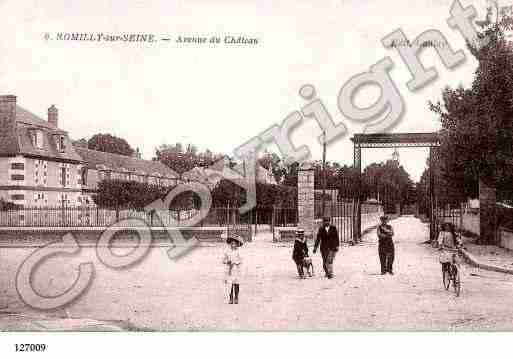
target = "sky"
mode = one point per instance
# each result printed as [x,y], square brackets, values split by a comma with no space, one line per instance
[218,97]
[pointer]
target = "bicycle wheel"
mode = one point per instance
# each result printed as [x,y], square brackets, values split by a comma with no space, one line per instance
[456,282]
[446,277]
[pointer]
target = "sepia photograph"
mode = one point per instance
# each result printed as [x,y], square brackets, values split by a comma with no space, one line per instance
[255,166]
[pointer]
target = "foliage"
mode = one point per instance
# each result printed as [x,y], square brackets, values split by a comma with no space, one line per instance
[290,175]
[131,194]
[81,143]
[477,130]
[229,193]
[273,163]
[183,160]
[390,183]
[109,143]
[6,206]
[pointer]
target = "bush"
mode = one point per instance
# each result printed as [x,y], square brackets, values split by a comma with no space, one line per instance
[228,193]
[6,206]
[136,195]
[127,194]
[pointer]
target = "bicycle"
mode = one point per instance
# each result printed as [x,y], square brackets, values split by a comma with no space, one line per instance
[451,273]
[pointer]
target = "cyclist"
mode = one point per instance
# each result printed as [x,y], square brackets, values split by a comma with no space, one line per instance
[448,243]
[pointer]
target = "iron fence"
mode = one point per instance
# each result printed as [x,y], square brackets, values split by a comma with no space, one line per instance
[92,216]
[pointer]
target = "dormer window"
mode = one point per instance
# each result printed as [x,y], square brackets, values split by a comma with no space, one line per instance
[60,143]
[37,138]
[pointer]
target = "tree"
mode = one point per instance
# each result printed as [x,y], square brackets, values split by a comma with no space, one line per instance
[389,182]
[119,194]
[477,130]
[273,163]
[6,206]
[109,143]
[181,161]
[228,193]
[291,174]
[80,143]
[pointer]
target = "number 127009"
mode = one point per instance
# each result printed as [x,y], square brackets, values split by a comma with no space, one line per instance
[30,347]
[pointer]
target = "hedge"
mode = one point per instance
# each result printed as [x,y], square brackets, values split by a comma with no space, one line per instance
[131,194]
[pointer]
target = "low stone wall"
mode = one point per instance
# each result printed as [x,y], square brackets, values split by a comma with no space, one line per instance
[288,234]
[285,234]
[470,222]
[89,236]
[506,238]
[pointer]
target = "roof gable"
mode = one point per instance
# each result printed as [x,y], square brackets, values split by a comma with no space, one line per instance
[20,143]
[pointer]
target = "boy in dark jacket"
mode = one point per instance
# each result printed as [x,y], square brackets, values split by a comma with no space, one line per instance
[300,252]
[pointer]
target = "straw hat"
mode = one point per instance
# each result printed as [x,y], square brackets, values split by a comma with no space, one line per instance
[236,238]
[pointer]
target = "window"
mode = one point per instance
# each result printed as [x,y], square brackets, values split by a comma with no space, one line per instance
[17,177]
[17,166]
[62,144]
[83,176]
[39,198]
[37,138]
[63,176]
[18,197]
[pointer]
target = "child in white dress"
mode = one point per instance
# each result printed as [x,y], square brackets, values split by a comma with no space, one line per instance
[233,262]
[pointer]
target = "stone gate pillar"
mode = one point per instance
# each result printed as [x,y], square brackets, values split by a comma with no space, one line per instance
[306,199]
[487,213]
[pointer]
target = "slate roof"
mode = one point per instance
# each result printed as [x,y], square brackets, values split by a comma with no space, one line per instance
[20,143]
[114,162]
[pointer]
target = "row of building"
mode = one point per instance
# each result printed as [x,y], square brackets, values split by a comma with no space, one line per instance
[39,166]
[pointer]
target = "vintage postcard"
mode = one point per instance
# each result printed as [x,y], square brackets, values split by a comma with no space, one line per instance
[291,165]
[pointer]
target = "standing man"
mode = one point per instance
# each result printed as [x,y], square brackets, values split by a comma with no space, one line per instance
[327,237]
[386,248]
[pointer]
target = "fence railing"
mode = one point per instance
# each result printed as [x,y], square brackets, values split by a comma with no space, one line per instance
[92,216]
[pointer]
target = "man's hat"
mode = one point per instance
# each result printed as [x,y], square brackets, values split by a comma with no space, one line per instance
[236,238]
[383,218]
[300,231]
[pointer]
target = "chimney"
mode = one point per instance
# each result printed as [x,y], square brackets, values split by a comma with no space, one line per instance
[8,121]
[53,116]
[8,107]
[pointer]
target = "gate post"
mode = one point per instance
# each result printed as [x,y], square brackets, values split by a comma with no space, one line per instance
[357,222]
[487,213]
[432,200]
[306,199]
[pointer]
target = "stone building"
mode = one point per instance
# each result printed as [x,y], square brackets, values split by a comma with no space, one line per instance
[99,166]
[39,166]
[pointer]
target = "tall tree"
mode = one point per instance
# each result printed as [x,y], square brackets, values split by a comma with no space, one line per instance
[183,160]
[106,142]
[477,129]
[81,143]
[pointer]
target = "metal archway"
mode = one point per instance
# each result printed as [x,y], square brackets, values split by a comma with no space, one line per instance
[394,140]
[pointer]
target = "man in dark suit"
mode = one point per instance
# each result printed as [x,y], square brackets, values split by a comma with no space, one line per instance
[386,248]
[328,238]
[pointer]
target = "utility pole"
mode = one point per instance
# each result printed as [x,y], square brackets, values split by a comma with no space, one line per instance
[323,172]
